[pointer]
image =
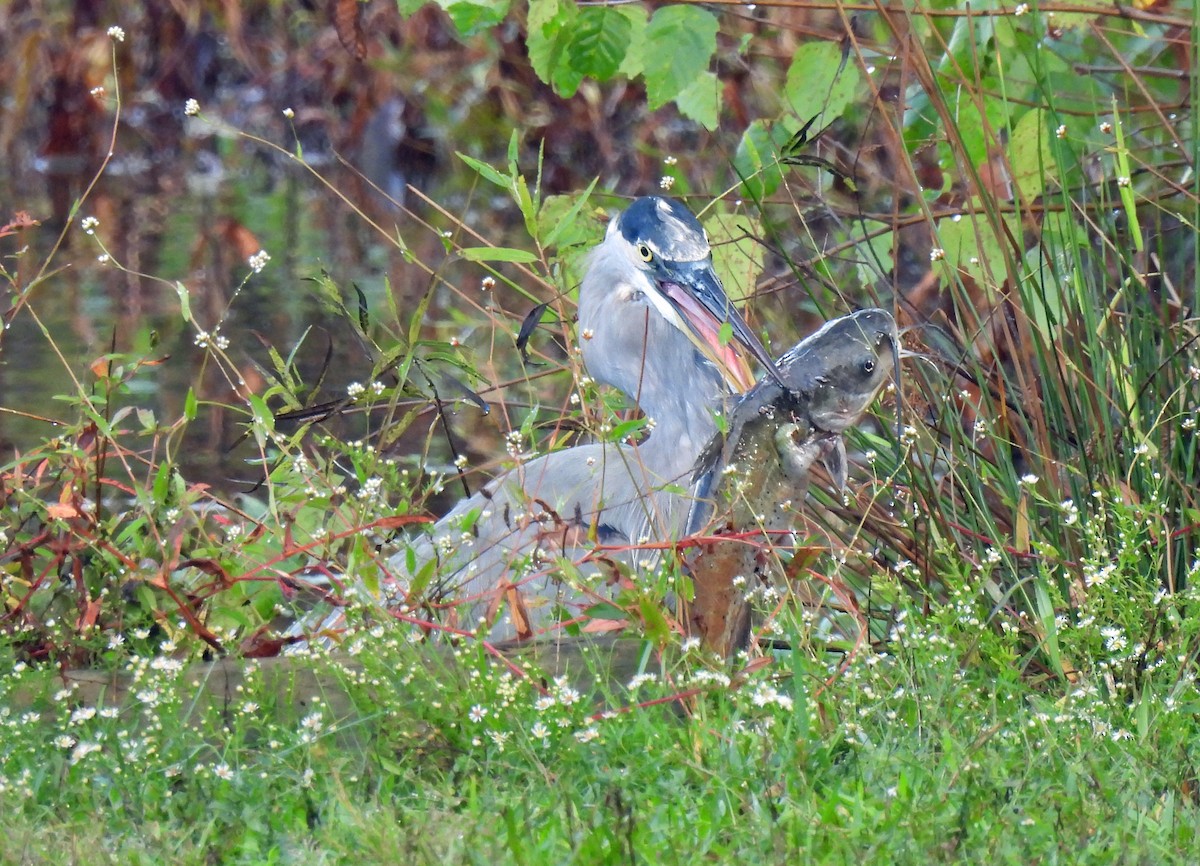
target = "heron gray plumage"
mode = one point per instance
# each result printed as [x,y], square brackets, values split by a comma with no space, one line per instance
[650,319]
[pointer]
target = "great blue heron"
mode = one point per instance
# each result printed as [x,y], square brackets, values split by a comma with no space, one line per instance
[651,314]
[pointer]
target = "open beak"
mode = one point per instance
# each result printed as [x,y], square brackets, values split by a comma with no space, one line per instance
[696,293]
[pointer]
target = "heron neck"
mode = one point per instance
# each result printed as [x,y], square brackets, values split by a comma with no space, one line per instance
[683,422]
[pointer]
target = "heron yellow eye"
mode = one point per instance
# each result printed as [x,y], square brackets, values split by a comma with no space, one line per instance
[644,252]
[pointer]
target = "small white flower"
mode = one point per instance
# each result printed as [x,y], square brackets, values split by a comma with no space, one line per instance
[89,225]
[1106,127]
[587,734]
[191,108]
[97,92]
[288,113]
[487,283]
[116,33]
[1029,479]
[669,160]
[355,390]
[1022,9]
[937,254]
[1123,181]
[82,751]
[477,713]
[64,741]
[259,260]
[222,771]
[1061,132]
[666,182]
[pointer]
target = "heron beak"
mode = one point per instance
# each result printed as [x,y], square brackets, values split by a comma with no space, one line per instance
[696,293]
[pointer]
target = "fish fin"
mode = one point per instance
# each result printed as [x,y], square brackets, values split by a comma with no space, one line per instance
[833,455]
[797,451]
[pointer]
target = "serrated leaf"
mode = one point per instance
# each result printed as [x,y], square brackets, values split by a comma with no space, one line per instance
[472,16]
[599,42]
[680,43]
[496,254]
[548,35]
[818,83]
[701,100]
[635,53]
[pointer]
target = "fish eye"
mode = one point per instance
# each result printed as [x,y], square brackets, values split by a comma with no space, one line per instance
[645,253]
[868,366]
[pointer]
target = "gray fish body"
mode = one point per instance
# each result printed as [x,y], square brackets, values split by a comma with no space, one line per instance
[748,480]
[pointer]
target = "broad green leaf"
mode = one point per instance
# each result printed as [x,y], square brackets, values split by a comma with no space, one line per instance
[815,86]
[549,34]
[875,258]
[737,255]
[756,160]
[972,247]
[599,42]
[701,100]
[634,63]
[472,16]
[680,43]
[1029,154]
[657,629]
[559,222]
[496,254]
[977,142]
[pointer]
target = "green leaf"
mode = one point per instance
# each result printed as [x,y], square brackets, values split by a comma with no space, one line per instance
[559,224]
[486,171]
[189,405]
[816,85]
[634,63]
[737,256]
[680,43]
[472,16]
[549,34]
[756,160]
[185,306]
[1029,154]
[496,254]
[599,42]
[973,248]
[701,100]
[657,629]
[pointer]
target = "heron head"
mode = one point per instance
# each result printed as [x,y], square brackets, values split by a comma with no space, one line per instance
[656,255]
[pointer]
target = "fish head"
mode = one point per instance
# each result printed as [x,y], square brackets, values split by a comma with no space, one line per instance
[842,366]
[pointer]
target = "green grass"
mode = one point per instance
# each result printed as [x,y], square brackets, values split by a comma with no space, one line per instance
[939,749]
